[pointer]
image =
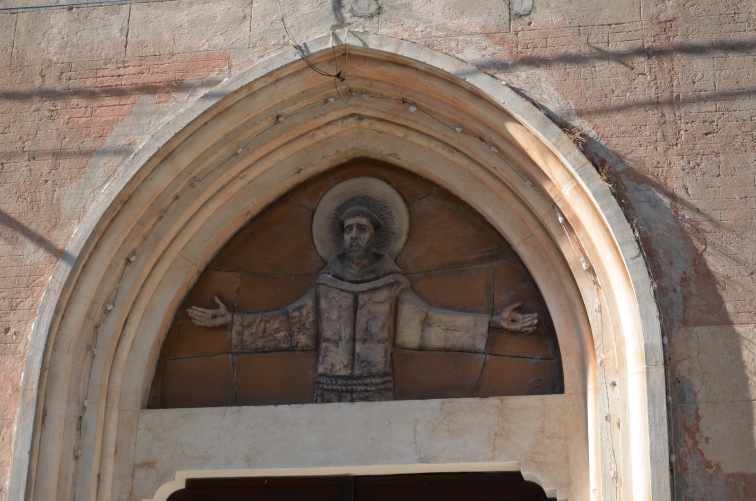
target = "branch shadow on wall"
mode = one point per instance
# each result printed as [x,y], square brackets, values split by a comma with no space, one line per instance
[621,56]
[8,222]
[702,346]
[46,93]
[687,290]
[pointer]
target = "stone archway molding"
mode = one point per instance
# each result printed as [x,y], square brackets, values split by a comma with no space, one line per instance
[182,476]
[83,432]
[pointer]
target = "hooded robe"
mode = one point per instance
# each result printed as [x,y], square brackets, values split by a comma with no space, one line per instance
[353,320]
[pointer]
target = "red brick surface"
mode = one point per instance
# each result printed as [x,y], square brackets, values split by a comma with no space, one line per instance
[663,90]
[66,126]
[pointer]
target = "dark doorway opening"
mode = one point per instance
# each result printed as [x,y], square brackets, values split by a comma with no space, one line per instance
[499,486]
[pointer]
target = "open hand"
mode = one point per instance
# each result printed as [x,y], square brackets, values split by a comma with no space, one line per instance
[204,317]
[514,321]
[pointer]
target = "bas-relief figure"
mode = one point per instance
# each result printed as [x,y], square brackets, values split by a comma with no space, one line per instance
[362,304]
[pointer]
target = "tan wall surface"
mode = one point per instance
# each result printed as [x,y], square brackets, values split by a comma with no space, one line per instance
[662,93]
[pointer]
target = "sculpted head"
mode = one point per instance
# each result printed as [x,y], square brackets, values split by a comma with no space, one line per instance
[378,202]
[359,225]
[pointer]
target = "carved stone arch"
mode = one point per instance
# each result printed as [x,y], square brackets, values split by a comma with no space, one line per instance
[84,432]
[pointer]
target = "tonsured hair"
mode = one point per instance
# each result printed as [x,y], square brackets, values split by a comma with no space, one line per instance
[376,211]
[360,211]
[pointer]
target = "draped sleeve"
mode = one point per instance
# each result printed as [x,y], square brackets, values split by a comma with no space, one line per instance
[293,328]
[420,326]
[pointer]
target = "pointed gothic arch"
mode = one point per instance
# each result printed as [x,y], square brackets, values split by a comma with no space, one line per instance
[84,432]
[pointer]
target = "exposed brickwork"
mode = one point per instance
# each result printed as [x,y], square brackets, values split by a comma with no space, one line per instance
[66,128]
[671,101]
[664,90]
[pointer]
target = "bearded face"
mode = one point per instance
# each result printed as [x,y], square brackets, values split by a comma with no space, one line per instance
[358,240]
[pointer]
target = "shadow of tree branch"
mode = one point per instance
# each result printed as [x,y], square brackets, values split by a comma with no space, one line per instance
[34,237]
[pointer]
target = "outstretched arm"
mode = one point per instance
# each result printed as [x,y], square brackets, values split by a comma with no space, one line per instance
[293,327]
[422,327]
[513,321]
[204,317]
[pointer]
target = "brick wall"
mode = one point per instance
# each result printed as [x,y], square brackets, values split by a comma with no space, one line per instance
[661,93]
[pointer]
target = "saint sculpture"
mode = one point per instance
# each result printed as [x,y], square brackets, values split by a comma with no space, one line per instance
[362,305]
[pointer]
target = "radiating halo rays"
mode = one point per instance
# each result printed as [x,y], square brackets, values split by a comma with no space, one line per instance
[378,197]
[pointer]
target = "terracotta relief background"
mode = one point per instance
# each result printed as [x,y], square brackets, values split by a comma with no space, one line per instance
[453,259]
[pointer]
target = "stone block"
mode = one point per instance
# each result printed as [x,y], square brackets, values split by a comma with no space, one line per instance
[428,374]
[264,292]
[512,284]
[539,429]
[717,363]
[275,378]
[32,3]
[100,33]
[722,434]
[444,233]
[657,10]
[223,284]
[466,289]
[186,340]
[539,344]
[410,186]
[303,20]
[519,376]
[7,35]
[730,428]
[431,18]
[188,26]
[519,8]
[199,382]
[279,240]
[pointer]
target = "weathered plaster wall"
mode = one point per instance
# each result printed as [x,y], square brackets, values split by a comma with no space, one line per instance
[661,93]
